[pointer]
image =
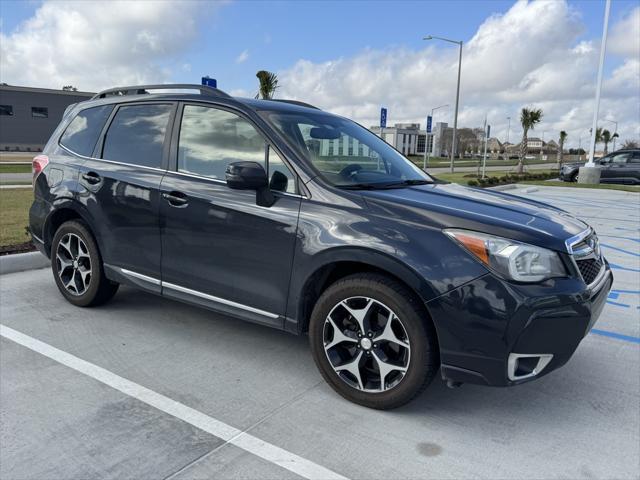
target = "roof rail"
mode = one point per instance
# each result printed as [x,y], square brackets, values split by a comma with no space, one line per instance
[142,89]
[295,102]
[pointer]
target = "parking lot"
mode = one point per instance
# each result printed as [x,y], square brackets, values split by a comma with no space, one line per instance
[149,388]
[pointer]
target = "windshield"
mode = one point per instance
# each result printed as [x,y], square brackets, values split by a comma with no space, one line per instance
[345,154]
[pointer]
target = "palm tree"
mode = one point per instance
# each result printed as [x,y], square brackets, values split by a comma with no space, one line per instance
[613,137]
[268,84]
[529,118]
[606,138]
[561,140]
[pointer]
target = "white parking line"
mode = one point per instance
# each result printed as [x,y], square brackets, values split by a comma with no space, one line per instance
[283,458]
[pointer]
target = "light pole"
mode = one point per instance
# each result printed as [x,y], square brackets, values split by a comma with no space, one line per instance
[508,128]
[588,173]
[455,116]
[426,139]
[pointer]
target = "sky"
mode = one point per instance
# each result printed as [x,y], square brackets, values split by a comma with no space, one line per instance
[349,57]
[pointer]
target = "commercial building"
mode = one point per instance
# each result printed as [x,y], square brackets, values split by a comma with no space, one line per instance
[405,137]
[28,116]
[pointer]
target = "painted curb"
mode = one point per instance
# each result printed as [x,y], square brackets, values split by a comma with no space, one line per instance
[21,262]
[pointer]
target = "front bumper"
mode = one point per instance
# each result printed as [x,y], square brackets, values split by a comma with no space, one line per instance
[498,333]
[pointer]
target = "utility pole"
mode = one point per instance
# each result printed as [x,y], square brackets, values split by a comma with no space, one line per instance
[487,129]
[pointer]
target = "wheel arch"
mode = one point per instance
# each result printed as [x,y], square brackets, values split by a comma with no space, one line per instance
[338,263]
[63,211]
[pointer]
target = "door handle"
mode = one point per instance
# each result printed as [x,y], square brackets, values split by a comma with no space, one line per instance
[176,199]
[91,178]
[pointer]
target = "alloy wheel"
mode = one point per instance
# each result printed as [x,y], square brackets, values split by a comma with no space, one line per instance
[74,264]
[366,344]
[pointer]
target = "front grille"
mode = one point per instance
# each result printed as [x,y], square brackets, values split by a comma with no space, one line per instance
[589,269]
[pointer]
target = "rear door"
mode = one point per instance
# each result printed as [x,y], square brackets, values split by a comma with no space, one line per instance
[219,248]
[615,170]
[120,190]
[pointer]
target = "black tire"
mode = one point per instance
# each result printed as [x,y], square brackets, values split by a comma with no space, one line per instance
[99,289]
[409,310]
[574,177]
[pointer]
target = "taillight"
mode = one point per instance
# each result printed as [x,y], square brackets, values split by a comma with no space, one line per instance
[37,165]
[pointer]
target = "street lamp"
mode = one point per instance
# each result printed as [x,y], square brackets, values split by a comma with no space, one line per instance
[455,116]
[508,128]
[426,138]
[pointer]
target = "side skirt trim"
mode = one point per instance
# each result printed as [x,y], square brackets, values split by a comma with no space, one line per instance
[196,293]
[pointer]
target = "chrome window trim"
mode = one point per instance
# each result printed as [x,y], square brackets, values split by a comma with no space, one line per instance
[110,161]
[223,182]
[195,293]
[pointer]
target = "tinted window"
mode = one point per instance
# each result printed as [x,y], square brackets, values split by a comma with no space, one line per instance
[210,139]
[40,112]
[620,158]
[6,110]
[82,133]
[635,158]
[136,135]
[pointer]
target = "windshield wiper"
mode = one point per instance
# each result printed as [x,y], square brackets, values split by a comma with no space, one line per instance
[406,183]
[384,185]
[359,186]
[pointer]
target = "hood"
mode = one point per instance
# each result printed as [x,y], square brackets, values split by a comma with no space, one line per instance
[454,206]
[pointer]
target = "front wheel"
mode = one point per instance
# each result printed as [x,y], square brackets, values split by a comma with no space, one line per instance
[77,266]
[373,342]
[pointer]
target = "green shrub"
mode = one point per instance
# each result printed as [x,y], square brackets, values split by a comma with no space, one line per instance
[472,183]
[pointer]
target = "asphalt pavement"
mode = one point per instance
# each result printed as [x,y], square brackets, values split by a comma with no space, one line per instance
[145,387]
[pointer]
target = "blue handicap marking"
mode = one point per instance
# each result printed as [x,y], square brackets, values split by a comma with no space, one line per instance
[615,266]
[618,249]
[615,295]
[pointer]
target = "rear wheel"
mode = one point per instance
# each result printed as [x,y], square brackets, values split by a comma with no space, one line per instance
[373,341]
[77,266]
[574,177]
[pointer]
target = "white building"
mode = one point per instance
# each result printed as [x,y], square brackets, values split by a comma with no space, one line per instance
[407,138]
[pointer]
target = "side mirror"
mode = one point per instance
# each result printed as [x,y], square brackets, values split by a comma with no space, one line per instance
[250,176]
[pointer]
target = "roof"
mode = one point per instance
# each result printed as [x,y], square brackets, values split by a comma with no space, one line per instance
[15,88]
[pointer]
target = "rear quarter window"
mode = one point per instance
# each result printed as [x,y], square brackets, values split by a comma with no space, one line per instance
[81,135]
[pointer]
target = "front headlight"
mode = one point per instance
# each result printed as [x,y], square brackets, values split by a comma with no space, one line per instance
[510,259]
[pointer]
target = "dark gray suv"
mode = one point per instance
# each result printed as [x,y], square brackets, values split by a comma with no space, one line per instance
[281,214]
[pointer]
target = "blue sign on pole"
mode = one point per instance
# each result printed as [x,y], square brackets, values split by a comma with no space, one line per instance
[429,123]
[209,82]
[383,118]
[488,131]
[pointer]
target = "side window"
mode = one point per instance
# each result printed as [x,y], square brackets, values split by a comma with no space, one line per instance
[636,158]
[210,139]
[281,178]
[136,135]
[81,135]
[620,158]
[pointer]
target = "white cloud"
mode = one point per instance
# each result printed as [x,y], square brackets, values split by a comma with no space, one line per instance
[527,56]
[624,39]
[94,45]
[244,55]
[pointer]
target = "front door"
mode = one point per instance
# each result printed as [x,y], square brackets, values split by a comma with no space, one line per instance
[219,248]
